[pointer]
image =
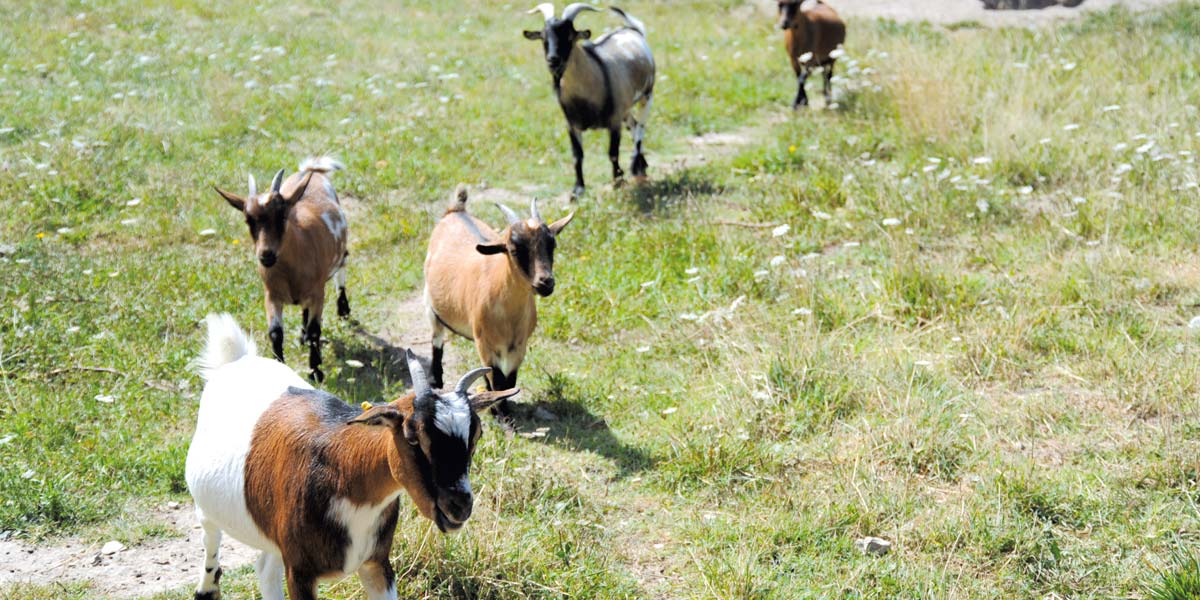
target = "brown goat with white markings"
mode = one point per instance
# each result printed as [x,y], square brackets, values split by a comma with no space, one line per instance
[299,235]
[480,284]
[314,483]
[813,33]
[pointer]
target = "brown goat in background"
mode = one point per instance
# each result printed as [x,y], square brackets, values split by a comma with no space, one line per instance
[812,33]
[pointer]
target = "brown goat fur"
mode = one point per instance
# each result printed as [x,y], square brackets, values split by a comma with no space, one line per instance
[300,237]
[814,28]
[481,285]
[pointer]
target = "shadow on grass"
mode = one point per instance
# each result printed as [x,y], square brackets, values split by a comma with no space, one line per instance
[572,426]
[663,194]
[384,367]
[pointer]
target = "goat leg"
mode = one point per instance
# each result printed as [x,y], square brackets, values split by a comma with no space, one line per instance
[801,97]
[614,152]
[314,350]
[577,152]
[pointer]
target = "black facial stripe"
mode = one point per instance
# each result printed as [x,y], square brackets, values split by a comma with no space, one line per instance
[524,259]
[448,456]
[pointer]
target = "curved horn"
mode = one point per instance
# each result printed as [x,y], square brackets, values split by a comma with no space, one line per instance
[417,374]
[573,10]
[533,211]
[545,8]
[508,213]
[277,182]
[470,378]
[253,187]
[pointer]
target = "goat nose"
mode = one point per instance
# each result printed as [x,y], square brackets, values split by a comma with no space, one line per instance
[545,287]
[459,506]
[267,258]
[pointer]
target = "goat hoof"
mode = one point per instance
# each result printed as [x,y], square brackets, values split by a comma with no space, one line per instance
[213,595]
[317,375]
[577,192]
[343,308]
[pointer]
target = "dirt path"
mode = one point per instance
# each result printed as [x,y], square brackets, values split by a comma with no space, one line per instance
[945,12]
[152,567]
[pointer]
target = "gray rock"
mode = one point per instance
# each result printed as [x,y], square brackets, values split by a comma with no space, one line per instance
[111,548]
[873,545]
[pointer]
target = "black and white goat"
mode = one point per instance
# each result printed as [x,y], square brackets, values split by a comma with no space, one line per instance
[313,482]
[600,85]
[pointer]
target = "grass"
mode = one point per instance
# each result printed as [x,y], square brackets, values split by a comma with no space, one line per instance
[972,340]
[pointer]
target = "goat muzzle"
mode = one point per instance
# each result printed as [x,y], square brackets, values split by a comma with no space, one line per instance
[267,258]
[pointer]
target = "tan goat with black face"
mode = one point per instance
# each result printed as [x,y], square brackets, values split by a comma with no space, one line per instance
[299,235]
[481,285]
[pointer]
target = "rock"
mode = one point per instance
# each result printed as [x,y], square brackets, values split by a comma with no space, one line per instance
[112,547]
[542,414]
[873,545]
[173,505]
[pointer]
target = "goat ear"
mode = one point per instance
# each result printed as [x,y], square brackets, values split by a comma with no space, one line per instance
[490,248]
[533,35]
[410,432]
[584,35]
[234,200]
[560,224]
[384,414]
[485,400]
[298,193]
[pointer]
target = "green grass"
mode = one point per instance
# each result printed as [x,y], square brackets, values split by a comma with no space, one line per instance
[1001,381]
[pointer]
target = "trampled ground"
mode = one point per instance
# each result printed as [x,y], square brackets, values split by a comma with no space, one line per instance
[950,311]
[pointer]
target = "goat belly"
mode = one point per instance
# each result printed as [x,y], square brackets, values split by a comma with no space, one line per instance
[583,114]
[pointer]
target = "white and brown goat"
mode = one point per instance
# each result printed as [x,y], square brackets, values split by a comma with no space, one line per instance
[481,285]
[314,483]
[599,85]
[813,34]
[299,234]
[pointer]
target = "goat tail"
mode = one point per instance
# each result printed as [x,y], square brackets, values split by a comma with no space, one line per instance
[630,21]
[226,343]
[321,164]
[458,202]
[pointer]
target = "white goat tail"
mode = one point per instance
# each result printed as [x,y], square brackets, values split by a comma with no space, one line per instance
[321,164]
[630,21]
[226,343]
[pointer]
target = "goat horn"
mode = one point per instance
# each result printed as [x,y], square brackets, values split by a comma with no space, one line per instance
[508,213]
[277,182]
[470,378]
[533,211]
[253,187]
[417,374]
[573,10]
[545,8]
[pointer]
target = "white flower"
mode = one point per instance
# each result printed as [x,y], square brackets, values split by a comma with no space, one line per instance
[824,216]
[807,56]
[643,349]
[778,260]
[781,230]
[1144,148]
[1112,107]
[982,160]
[1194,323]
[1070,126]
[1119,146]
[134,202]
[802,311]
[1025,190]
[891,222]
[208,232]
[692,271]
[761,273]
[1078,200]
[649,284]
[1123,168]
[354,363]
[105,398]
[837,53]
[982,205]
[1045,141]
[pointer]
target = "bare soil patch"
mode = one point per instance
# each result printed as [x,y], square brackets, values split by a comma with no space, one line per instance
[154,566]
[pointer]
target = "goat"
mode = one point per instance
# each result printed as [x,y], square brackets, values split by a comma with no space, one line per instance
[299,235]
[812,34]
[600,85]
[480,285]
[314,483]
